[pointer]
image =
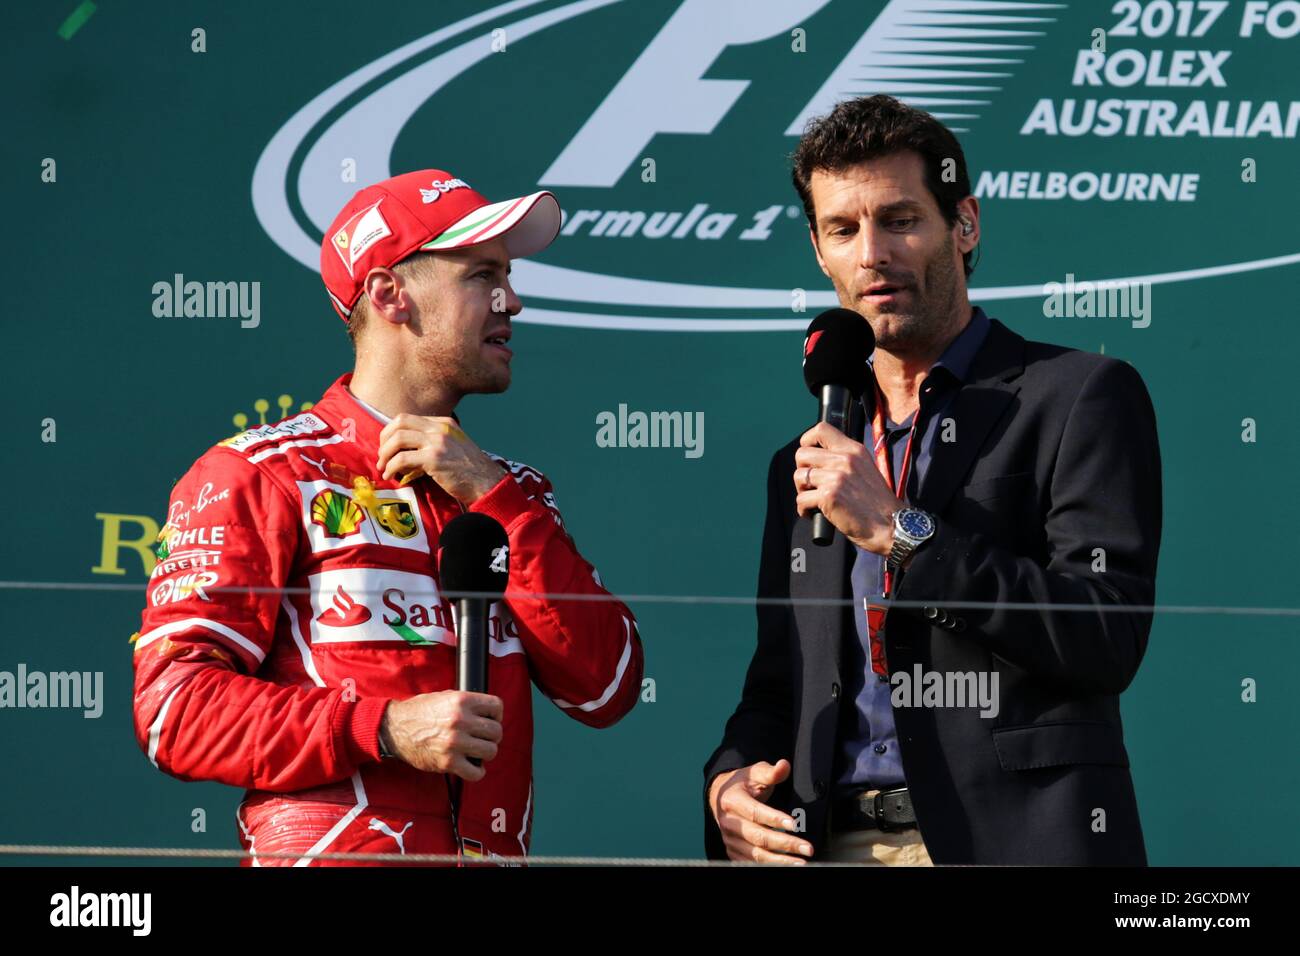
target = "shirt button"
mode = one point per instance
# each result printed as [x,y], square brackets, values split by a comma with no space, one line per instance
[819,788]
[835,691]
[880,748]
[882,677]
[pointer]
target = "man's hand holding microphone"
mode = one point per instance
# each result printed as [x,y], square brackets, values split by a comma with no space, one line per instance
[439,732]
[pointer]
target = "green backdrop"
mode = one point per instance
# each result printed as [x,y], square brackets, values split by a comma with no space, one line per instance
[219,165]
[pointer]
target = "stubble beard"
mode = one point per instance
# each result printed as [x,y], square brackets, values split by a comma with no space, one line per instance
[475,374]
[926,320]
[461,369]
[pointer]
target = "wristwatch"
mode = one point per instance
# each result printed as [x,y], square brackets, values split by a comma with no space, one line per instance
[912,528]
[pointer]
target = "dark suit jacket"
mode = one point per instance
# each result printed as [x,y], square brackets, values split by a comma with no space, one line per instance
[1055,456]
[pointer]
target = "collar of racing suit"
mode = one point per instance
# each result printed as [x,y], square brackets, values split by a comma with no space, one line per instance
[341,393]
[368,407]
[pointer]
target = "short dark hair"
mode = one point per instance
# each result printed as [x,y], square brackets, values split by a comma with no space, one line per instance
[357,320]
[872,126]
[417,264]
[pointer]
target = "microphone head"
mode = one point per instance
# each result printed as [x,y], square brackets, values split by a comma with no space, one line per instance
[473,554]
[835,351]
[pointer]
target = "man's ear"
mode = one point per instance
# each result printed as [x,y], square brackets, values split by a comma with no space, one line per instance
[389,299]
[968,209]
[812,237]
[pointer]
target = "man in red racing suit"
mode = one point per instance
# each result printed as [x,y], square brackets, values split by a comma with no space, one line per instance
[295,608]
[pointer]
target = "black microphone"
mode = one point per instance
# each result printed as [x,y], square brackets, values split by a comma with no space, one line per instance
[473,555]
[835,353]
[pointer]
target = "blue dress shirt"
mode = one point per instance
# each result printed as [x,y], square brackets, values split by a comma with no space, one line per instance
[868,754]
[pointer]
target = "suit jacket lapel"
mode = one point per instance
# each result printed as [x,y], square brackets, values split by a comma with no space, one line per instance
[976,409]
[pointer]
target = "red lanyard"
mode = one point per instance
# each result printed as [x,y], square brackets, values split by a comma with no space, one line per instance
[881,449]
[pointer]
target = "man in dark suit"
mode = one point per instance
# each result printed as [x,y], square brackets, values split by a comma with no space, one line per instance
[977,721]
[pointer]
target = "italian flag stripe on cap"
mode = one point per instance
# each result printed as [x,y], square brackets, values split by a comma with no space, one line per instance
[466,228]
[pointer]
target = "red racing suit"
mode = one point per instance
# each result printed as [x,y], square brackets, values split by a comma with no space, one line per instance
[297,594]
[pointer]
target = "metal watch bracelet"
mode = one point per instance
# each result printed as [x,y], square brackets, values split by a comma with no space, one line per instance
[904,547]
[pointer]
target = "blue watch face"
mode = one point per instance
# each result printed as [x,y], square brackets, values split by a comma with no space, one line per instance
[918,524]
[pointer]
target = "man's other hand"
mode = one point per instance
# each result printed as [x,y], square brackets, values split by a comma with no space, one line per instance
[751,830]
[436,446]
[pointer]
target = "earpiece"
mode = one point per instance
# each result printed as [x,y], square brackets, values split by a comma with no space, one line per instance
[966,227]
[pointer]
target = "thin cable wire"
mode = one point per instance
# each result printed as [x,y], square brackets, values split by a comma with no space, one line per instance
[719,599]
[398,858]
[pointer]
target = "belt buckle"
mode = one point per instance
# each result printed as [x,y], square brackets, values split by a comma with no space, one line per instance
[878,806]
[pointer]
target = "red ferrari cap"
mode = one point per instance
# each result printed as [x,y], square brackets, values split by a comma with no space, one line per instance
[428,210]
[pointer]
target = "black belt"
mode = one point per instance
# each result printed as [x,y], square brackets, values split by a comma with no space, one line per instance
[887,811]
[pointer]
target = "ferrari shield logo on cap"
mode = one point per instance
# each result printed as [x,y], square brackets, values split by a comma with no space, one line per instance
[360,233]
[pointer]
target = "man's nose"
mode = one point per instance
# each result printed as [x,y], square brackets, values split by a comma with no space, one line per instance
[512,304]
[873,246]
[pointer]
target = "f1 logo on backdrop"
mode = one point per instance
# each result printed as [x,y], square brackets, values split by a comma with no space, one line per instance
[664,91]
[971,64]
